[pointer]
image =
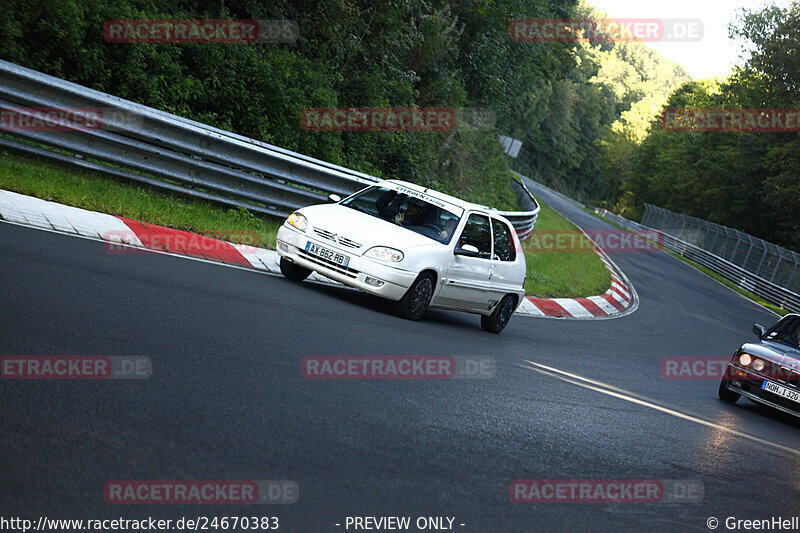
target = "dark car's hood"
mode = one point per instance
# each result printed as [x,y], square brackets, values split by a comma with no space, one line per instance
[774,352]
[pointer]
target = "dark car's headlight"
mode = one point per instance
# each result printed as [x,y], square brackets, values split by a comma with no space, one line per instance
[745,359]
[758,365]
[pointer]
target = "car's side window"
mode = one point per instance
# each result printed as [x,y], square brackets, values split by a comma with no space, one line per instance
[503,242]
[478,233]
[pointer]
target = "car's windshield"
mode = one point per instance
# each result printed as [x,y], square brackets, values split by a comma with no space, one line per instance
[787,331]
[409,209]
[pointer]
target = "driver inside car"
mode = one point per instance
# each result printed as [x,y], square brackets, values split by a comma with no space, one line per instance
[417,214]
[388,205]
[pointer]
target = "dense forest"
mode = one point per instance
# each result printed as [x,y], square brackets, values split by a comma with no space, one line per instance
[746,180]
[583,111]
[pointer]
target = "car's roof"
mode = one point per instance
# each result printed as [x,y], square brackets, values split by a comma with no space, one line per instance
[443,197]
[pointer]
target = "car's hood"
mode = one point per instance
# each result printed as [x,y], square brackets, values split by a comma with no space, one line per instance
[364,229]
[774,352]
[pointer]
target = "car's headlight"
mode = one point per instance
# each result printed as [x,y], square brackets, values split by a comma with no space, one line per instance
[298,221]
[745,359]
[382,253]
[759,365]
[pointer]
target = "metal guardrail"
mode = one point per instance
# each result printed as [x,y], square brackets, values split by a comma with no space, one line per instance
[775,294]
[159,149]
[564,197]
[757,256]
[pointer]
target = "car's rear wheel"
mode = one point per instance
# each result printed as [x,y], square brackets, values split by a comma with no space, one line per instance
[417,299]
[292,271]
[726,394]
[498,320]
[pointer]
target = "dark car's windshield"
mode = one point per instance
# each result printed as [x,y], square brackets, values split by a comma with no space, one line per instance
[787,331]
[408,210]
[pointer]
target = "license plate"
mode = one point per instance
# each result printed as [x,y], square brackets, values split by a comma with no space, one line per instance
[774,388]
[323,253]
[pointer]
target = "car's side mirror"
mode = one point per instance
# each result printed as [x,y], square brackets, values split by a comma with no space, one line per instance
[334,198]
[759,330]
[467,250]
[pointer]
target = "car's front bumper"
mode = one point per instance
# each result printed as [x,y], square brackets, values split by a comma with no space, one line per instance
[748,384]
[394,281]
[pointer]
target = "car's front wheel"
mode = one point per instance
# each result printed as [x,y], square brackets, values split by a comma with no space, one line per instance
[417,299]
[498,320]
[292,271]
[726,394]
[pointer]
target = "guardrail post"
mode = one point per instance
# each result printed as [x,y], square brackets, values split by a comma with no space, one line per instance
[758,268]
[711,246]
[733,253]
[747,255]
[775,270]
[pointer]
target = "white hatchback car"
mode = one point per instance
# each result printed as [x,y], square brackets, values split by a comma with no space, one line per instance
[396,240]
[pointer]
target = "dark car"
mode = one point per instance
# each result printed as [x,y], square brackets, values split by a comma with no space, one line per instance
[767,371]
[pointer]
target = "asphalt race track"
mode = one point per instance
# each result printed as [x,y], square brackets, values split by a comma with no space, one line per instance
[227,401]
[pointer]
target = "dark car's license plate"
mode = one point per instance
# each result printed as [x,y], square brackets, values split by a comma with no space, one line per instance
[774,388]
[329,255]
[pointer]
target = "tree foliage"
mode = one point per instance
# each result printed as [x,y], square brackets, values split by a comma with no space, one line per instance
[357,53]
[746,180]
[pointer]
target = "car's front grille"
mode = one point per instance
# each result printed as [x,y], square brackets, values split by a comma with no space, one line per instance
[782,374]
[347,271]
[325,234]
[349,243]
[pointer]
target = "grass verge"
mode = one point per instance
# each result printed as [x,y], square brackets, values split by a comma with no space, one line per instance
[563,274]
[95,191]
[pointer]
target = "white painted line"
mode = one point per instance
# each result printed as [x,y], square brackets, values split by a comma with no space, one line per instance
[609,390]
